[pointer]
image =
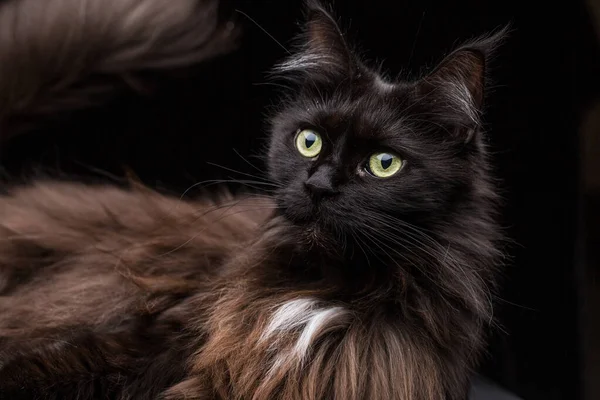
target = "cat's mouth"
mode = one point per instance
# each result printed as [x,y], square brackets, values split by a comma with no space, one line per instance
[300,217]
[313,233]
[306,214]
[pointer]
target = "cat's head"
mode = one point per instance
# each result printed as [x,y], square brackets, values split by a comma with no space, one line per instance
[359,156]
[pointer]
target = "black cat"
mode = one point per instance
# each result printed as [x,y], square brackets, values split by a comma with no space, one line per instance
[367,274]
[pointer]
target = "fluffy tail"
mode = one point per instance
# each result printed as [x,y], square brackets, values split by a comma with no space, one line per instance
[64,55]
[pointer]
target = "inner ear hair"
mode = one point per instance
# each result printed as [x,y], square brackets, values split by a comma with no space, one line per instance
[457,84]
[466,68]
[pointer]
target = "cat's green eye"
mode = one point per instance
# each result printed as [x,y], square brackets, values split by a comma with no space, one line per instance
[309,143]
[384,165]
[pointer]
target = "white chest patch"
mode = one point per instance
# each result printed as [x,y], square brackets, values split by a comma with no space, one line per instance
[307,319]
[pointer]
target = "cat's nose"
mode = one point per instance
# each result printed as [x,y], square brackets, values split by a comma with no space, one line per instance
[319,190]
[320,183]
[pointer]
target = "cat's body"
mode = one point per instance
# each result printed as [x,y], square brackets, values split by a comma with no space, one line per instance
[95,281]
[131,294]
[366,275]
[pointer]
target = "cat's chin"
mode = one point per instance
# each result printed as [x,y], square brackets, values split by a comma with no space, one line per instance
[314,235]
[312,232]
[309,227]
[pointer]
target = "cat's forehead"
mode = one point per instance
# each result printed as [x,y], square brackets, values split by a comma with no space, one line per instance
[370,109]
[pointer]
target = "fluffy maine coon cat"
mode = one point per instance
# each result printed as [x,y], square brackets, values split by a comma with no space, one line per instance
[366,275]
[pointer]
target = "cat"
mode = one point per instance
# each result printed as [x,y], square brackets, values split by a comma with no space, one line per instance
[367,273]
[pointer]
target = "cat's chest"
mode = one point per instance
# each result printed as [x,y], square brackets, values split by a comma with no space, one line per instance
[296,327]
[305,348]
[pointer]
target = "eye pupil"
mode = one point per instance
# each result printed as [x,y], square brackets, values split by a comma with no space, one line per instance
[309,139]
[386,160]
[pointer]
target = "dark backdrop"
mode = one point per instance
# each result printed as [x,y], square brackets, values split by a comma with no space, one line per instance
[544,77]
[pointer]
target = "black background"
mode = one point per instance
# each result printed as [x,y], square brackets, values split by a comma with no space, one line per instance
[544,77]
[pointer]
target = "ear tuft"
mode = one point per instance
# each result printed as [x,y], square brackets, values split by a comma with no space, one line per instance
[458,83]
[323,48]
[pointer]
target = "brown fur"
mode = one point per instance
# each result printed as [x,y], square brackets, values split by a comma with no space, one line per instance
[66,55]
[84,265]
[100,284]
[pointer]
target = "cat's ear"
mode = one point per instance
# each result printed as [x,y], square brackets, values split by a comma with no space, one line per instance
[456,87]
[322,48]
